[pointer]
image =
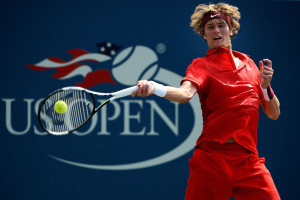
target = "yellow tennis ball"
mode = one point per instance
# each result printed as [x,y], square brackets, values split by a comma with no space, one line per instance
[60,107]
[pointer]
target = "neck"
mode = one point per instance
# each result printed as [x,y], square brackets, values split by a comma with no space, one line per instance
[228,47]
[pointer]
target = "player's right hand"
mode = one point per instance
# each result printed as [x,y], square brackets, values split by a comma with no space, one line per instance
[145,88]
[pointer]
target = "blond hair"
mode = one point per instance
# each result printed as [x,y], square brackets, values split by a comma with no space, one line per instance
[202,9]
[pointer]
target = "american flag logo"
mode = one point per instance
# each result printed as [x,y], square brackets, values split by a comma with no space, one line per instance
[80,65]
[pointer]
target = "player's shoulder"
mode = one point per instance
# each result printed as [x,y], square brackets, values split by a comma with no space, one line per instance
[198,62]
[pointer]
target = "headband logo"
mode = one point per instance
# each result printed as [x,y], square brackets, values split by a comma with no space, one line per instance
[214,15]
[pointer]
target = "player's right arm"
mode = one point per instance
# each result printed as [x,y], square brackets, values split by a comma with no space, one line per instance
[182,94]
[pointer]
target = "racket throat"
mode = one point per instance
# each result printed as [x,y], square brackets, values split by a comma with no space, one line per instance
[103,104]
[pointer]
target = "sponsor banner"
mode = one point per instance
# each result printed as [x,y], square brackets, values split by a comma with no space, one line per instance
[122,117]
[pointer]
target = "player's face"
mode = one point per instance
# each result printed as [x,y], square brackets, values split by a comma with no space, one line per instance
[217,34]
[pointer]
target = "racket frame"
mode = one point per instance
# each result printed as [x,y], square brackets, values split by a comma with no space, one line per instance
[115,95]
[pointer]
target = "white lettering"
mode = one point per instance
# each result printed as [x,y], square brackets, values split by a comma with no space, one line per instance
[128,117]
[104,118]
[36,109]
[173,126]
[8,116]
[131,116]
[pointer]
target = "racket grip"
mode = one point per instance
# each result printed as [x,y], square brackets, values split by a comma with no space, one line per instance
[123,93]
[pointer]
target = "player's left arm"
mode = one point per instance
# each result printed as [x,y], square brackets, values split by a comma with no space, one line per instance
[269,106]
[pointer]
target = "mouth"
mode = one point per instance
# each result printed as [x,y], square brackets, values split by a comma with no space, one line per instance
[217,38]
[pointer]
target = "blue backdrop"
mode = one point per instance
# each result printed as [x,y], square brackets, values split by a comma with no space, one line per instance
[137,148]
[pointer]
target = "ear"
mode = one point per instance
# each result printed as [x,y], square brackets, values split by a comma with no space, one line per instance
[230,33]
[204,37]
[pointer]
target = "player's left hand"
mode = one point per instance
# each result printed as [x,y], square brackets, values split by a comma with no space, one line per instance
[266,73]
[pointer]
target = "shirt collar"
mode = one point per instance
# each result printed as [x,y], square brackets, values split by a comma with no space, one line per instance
[220,50]
[224,50]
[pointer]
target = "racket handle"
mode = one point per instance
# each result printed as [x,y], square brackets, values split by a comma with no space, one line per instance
[123,93]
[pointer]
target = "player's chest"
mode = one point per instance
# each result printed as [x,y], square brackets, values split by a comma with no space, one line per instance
[229,74]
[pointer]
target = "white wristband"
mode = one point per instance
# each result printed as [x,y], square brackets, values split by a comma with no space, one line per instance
[267,92]
[159,89]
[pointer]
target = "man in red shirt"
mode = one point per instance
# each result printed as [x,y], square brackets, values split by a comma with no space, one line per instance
[225,162]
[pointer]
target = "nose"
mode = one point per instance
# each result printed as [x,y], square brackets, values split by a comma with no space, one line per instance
[217,30]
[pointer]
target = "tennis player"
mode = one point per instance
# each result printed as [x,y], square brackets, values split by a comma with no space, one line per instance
[230,86]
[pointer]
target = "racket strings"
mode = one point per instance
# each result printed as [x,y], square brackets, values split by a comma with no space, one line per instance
[80,106]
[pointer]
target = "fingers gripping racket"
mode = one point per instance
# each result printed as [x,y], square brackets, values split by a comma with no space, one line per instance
[81,106]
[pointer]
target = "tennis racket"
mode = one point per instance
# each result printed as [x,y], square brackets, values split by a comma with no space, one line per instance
[81,108]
